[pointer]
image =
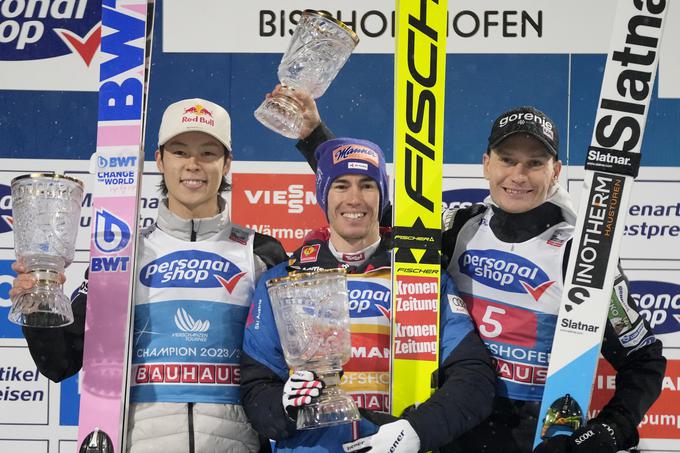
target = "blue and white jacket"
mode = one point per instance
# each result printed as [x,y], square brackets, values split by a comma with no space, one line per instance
[465,374]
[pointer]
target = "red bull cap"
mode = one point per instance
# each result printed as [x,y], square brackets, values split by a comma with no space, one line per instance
[195,115]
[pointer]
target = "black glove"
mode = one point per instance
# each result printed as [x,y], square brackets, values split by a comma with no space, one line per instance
[595,437]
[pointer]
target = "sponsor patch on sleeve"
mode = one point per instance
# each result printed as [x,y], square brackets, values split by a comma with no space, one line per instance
[457,305]
[309,253]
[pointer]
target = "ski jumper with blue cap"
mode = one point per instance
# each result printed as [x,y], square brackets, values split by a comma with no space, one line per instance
[465,370]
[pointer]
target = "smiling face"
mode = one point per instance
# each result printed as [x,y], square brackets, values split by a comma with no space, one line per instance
[193,165]
[353,208]
[520,173]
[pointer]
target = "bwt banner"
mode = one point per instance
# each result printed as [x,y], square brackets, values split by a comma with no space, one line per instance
[501,54]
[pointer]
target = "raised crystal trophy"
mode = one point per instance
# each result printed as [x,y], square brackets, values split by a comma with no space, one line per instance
[320,46]
[311,310]
[46,212]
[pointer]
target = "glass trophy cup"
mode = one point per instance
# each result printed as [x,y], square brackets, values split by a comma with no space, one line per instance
[320,46]
[311,310]
[46,212]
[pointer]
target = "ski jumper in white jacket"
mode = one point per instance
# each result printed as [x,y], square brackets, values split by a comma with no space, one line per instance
[194,283]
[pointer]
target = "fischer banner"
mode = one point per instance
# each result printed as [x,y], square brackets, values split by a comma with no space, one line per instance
[420,58]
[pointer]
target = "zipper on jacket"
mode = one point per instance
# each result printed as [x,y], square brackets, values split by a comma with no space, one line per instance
[190,409]
[193,232]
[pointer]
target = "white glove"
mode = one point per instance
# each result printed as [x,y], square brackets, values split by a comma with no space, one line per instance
[299,390]
[395,437]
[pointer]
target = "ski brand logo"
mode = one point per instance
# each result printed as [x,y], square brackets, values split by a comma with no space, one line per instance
[186,323]
[39,30]
[109,263]
[612,161]
[116,161]
[505,271]
[599,156]
[191,269]
[368,299]
[112,234]
[659,303]
[6,220]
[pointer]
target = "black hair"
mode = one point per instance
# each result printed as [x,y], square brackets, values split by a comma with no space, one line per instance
[224,185]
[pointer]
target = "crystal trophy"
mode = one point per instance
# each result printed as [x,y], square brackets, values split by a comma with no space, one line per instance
[320,47]
[46,212]
[311,310]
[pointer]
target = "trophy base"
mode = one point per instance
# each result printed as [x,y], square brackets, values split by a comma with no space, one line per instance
[333,407]
[281,114]
[42,307]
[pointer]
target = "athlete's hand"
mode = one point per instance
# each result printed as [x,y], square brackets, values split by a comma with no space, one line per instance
[395,437]
[24,281]
[310,114]
[300,389]
[595,437]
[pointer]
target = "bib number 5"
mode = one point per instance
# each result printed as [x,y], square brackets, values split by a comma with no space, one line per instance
[490,327]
